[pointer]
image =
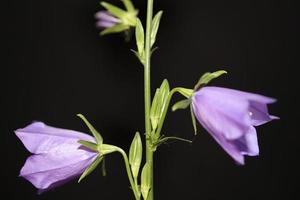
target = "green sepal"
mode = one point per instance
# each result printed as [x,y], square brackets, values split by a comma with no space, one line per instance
[207,77]
[95,133]
[193,120]
[185,92]
[159,103]
[135,155]
[107,149]
[115,29]
[155,26]
[128,5]
[103,168]
[145,181]
[89,145]
[114,10]
[140,37]
[90,168]
[183,104]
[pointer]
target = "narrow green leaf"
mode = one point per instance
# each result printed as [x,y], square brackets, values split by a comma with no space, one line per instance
[135,154]
[90,168]
[114,10]
[145,181]
[165,139]
[95,133]
[140,37]
[115,29]
[193,120]
[155,26]
[89,145]
[183,104]
[128,5]
[207,77]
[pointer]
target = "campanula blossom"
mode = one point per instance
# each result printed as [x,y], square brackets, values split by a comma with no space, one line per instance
[105,19]
[57,155]
[230,116]
[114,19]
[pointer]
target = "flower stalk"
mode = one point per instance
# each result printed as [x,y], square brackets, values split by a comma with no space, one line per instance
[147,92]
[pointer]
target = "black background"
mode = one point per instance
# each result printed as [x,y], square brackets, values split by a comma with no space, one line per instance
[55,65]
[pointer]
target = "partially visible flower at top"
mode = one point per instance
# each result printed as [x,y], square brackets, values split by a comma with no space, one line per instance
[57,155]
[230,116]
[115,19]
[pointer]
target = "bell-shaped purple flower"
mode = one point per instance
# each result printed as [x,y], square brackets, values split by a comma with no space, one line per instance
[57,155]
[105,19]
[230,116]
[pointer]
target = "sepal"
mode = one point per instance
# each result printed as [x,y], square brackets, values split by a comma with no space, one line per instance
[207,77]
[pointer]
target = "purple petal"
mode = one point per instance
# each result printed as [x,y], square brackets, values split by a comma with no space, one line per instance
[106,16]
[221,112]
[105,24]
[229,115]
[39,138]
[49,170]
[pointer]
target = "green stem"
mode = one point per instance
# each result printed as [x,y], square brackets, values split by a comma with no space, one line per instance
[147,90]
[128,170]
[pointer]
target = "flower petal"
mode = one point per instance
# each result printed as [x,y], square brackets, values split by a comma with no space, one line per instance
[224,114]
[39,138]
[49,170]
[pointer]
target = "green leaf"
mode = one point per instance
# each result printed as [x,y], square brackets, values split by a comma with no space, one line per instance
[135,154]
[155,26]
[207,77]
[90,168]
[95,133]
[128,5]
[114,10]
[185,91]
[115,29]
[183,104]
[193,120]
[139,35]
[145,181]
[165,139]
[159,103]
[141,58]
[89,145]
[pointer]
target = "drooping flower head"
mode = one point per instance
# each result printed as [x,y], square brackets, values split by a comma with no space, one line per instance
[230,117]
[57,155]
[115,19]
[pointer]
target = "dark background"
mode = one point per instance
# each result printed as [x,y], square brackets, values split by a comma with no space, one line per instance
[55,65]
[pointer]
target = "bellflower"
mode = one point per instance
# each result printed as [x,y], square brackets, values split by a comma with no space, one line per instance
[105,19]
[230,117]
[115,19]
[57,155]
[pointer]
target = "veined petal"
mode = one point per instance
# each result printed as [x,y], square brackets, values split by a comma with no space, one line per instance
[47,170]
[39,138]
[225,115]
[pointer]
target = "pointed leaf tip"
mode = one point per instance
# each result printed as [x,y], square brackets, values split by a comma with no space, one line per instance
[95,133]
[135,154]
[207,77]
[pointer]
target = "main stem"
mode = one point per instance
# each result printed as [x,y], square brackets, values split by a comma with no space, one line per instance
[147,90]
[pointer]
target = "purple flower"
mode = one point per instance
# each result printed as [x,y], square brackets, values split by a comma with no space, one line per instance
[58,157]
[105,19]
[230,116]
